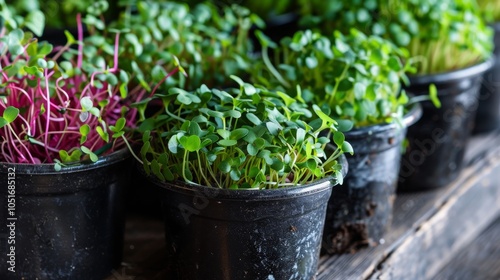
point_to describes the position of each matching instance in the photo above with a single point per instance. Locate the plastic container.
(488, 110)
(436, 143)
(277, 27)
(360, 210)
(68, 224)
(243, 234)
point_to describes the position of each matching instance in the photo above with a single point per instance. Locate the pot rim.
(252, 194)
(459, 74)
(48, 168)
(413, 115)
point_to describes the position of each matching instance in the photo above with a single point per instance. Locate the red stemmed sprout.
(57, 108)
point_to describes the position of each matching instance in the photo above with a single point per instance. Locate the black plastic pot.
(360, 210)
(277, 27)
(488, 110)
(57, 37)
(280, 26)
(436, 143)
(244, 234)
(67, 224)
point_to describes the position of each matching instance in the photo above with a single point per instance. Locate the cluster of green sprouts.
(351, 77)
(241, 138)
(208, 42)
(442, 35)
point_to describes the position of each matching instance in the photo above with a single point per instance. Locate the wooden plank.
(411, 210)
(144, 249)
(478, 260)
(460, 219)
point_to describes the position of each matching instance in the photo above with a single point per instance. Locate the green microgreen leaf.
(347, 148)
(338, 138)
(119, 125)
(3, 122)
(238, 133)
(190, 143)
(253, 118)
(70, 158)
(273, 128)
(433, 94)
(227, 142)
(225, 134)
(104, 135)
(57, 166)
(172, 144)
(84, 131)
(86, 103)
(10, 114)
(87, 151)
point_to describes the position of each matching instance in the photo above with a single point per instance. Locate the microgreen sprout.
(208, 42)
(58, 106)
(240, 138)
(441, 35)
(354, 78)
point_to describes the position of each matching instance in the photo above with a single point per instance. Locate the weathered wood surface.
(144, 250)
(479, 260)
(460, 219)
(428, 228)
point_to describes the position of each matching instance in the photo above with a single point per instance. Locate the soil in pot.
(488, 110)
(436, 143)
(66, 224)
(360, 210)
(243, 234)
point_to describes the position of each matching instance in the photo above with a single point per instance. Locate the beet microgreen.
(247, 137)
(59, 110)
(352, 77)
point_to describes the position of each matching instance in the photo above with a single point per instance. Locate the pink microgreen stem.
(50, 106)
(80, 39)
(48, 109)
(176, 69)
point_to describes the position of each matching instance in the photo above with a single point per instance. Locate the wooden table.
(428, 230)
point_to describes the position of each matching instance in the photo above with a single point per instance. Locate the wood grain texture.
(144, 250)
(479, 260)
(411, 212)
(460, 219)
